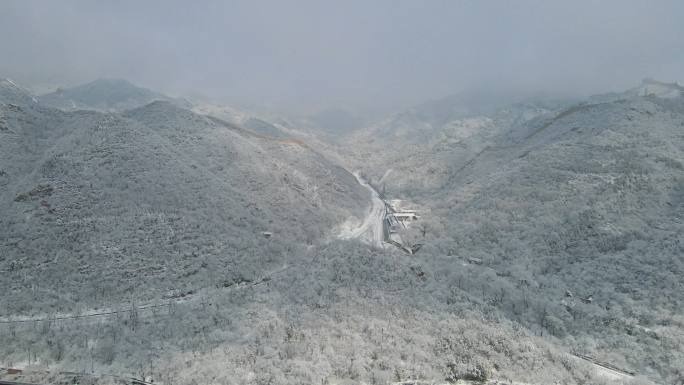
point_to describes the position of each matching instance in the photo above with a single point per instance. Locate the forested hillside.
(160, 243)
(341, 192)
(589, 203)
(104, 95)
(98, 207)
(575, 214)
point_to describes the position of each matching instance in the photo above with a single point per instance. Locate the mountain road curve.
(370, 229)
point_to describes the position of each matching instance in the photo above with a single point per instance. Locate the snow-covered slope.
(575, 213)
(10, 92)
(95, 202)
(420, 144)
(650, 87)
(551, 230)
(104, 95)
(245, 119)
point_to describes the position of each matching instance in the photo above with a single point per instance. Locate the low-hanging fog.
(376, 55)
(341, 192)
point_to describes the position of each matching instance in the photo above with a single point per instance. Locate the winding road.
(371, 228)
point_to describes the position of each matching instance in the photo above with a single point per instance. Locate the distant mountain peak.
(112, 81)
(657, 82)
(112, 85)
(648, 87)
(652, 87)
(106, 94)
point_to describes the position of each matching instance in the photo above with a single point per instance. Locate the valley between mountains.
(178, 242)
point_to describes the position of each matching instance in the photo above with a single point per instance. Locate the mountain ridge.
(105, 94)
(94, 177)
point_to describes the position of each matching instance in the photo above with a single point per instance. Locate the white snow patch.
(370, 230)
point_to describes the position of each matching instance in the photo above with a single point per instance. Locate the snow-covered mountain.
(93, 195)
(547, 228)
(104, 95)
(245, 119)
(11, 93)
(424, 140)
(578, 208)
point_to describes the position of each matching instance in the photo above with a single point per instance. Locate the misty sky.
(377, 54)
